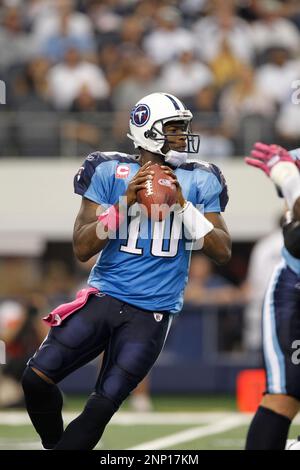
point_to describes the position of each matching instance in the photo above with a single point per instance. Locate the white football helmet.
(148, 117)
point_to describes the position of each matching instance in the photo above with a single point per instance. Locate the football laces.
(149, 188)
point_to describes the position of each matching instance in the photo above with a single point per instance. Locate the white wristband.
(194, 221)
(291, 190)
(283, 170)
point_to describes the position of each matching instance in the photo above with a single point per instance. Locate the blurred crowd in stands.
(233, 62)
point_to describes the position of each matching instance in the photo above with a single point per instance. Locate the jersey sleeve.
(291, 235)
(93, 180)
(295, 154)
(213, 192)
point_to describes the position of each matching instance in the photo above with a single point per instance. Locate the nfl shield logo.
(158, 316)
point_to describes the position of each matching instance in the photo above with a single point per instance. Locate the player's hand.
(170, 172)
(138, 182)
(266, 157)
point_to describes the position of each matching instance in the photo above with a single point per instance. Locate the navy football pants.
(281, 332)
(130, 338)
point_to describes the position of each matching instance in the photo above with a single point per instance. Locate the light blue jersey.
(292, 262)
(295, 154)
(148, 267)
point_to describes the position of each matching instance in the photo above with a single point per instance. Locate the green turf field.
(176, 423)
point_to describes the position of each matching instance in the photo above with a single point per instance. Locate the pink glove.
(266, 157)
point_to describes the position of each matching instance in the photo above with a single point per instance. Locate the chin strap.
(176, 158)
(172, 157)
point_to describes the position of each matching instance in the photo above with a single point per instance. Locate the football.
(159, 195)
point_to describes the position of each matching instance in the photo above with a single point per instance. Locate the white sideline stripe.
(191, 434)
(163, 418)
(21, 418)
(27, 445)
(13, 418)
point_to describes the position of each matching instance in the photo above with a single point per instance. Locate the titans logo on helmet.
(140, 115)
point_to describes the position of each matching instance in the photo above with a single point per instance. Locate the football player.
(281, 310)
(137, 283)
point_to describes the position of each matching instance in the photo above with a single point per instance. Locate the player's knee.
(42, 375)
(99, 408)
(31, 381)
(132, 365)
(27, 379)
(118, 384)
(50, 358)
(282, 404)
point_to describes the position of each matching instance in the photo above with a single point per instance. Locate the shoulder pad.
(214, 170)
(85, 173)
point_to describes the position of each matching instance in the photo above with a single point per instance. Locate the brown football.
(159, 195)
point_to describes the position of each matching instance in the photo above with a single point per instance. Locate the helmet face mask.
(149, 119)
(157, 133)
(192, 140)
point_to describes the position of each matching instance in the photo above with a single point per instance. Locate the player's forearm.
(286, 177)
(291, 234)
(290, 189)
(91, 238)
(288, 180)
(283, 169)
(86, 242)
(217, 245)
(296, 210)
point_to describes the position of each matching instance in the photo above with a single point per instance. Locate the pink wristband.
(111, 218)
